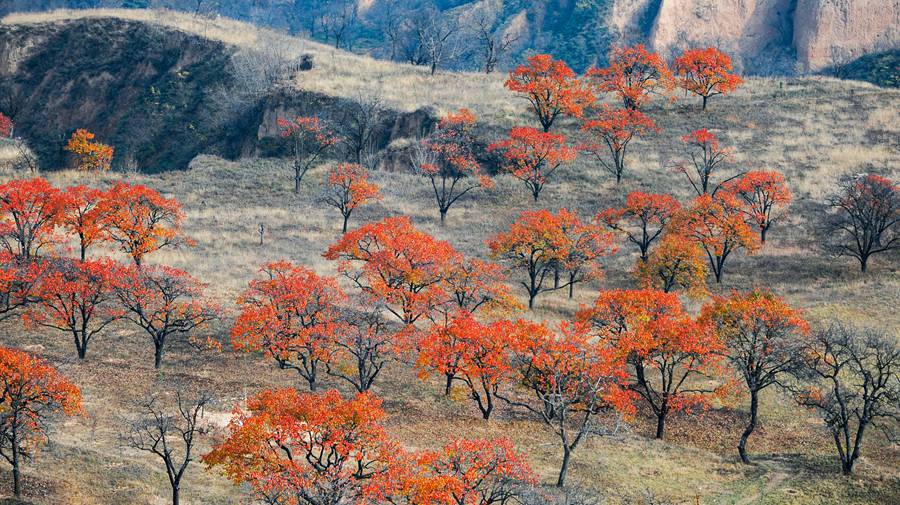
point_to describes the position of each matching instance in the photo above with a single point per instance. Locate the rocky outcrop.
(763, 35)
(827, 32)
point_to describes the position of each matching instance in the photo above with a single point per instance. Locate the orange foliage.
(31, 392)
(18, 277)
(765, 196)
(162, 301)
(471, 472)
(718, 225)
(83, 215)
(89, 155)
(401, 266)
(474, 285)
(347, 188)
(643, 219)
(295, 448)
(551, 88)
(542, 243)
(677, 263)
(30, 209)
(309, 140)
(447, 159)
(670, 353)
(140, 220)
(614, 129)
(292, 314)
(634, 74)
(706, 72)
(532, 156)
(76, 297)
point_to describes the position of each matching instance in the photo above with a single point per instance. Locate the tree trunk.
(157, 355)
(81, 347)
(863, 262)
(660, 424)
(754, 408)
(448, 385)
(705, 98)
(17, 476)
(443, 216)
(762, 235)
(531, 300)
(346, 218)
(175, 495)
(564, 469)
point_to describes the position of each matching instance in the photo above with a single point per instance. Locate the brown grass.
(813, 130)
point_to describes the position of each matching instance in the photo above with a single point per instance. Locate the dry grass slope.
(813, 130)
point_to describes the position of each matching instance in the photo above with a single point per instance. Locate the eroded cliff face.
(835, 31)
(763, 35)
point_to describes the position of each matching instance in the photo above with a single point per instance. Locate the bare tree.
(434, 34)
(865, 218)
(339, 21)
(853, 381)
(362, 350)
(361, 125)
(493, 45)
(171, 437)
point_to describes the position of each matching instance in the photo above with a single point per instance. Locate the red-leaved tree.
(162, 301)
(31, 393)
(532, 156)
(447, 159)
(551, 89)
(293, 315)
(865, 218)
(718, 225)
(6, 126)
(611, 131)
(347, 188)
(643, 218)
(634, 74)
(765, 196)
(30, 209)
(706, 72)
(670, 354)
(707, 157)
(309, 140)
(83, 215)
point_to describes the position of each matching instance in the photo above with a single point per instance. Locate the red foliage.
(551, 88)
(643, 219)
(76, 297)
(765, 196)
(6, 125)
(309, 140)
(162, 301)
(295, 448)
(867, 220)
(398, 265)
(706, 157)
(447, 159)
(532, 156)
(293, 315)
(347, 188)
(634, 74)
(83, 215)
(140, 220)
(31, 392)
(30, 209)
(18, 278)
(612, 131)
(706, 72)
(669, 352)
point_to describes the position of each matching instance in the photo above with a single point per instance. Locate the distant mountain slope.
(765, 36)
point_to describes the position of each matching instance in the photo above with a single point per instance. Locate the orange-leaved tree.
(293, 315)
(532, 156)
(570, 380)
(163, 301)
(551, 89)
(447, 158)
(670, 354)
(611, 131)
(718, 225)
(347, 188)
(140, 220)
(765, 196)
(31, 393)
(90, 155)
(764, 342)
(297, 448)
(707, 156)
(30, 209)
(475, 285)
(18, 278)
(309, 140)
(634, 74)
(678, 262)
(83, 216)
(643, 218)
(706, 72)
(543, 244)
(471, 471)
(77, 298)
(394, 263)
(474, 353)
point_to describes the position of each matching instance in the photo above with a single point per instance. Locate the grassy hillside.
(813, 130)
